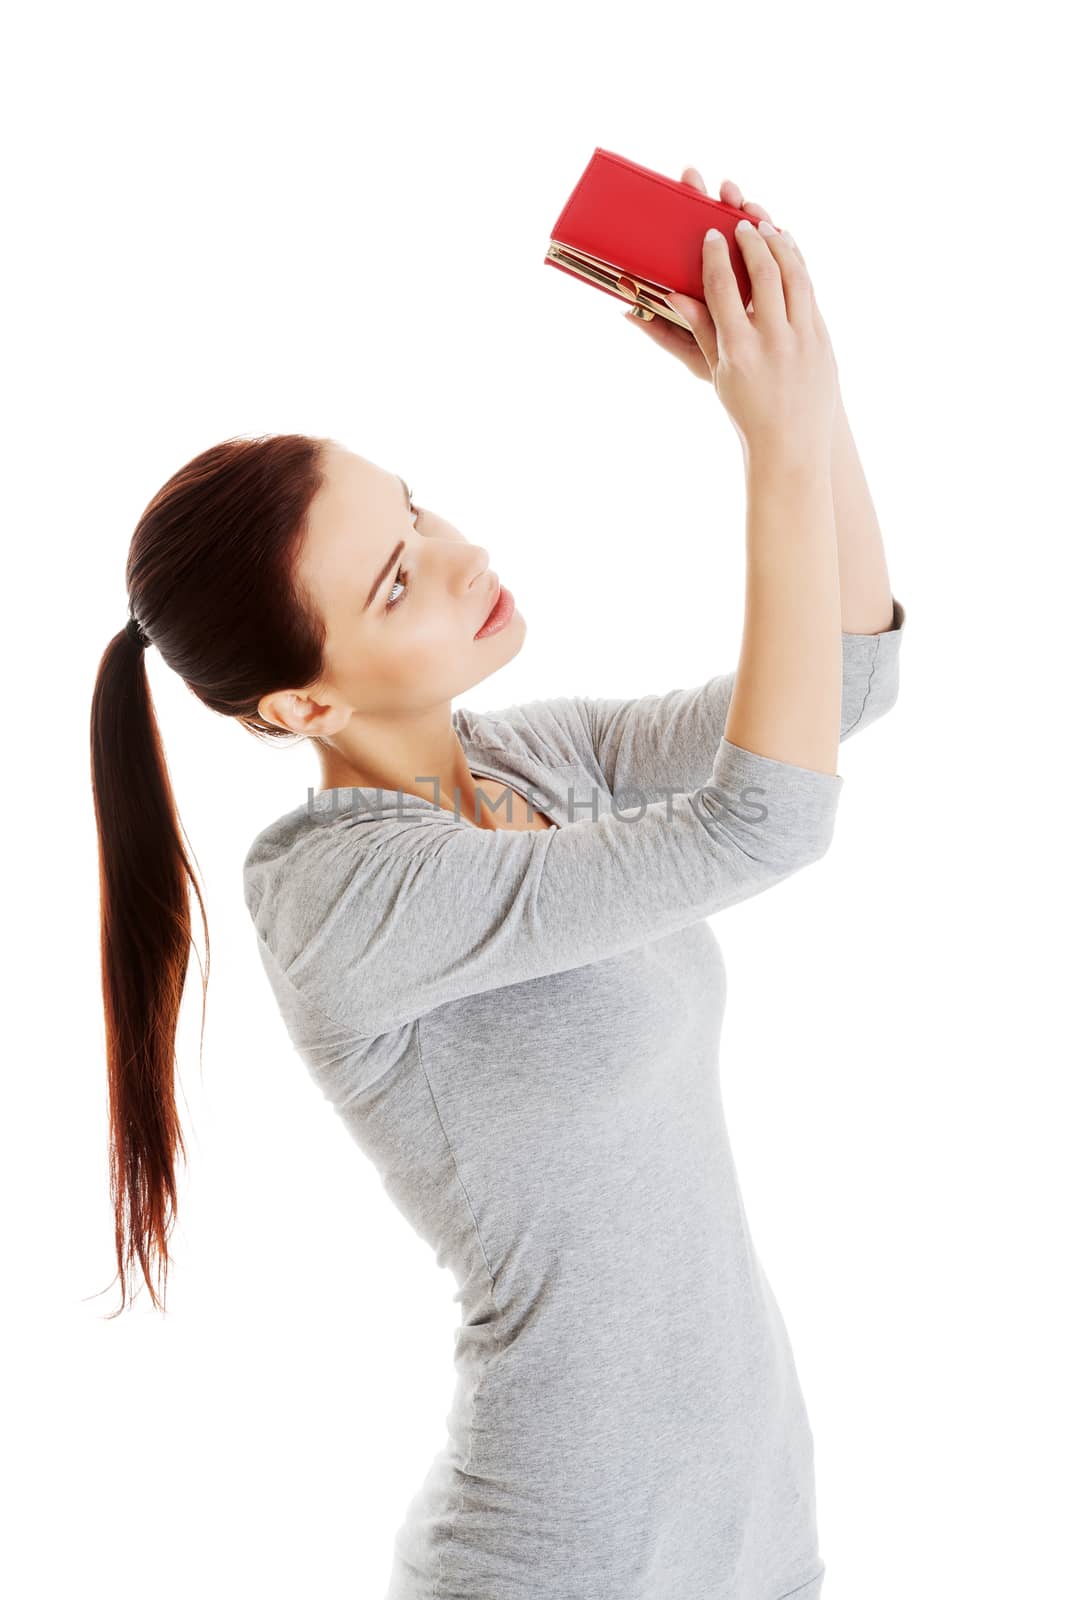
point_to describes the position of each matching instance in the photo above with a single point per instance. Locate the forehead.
(354, 487)
(354, 521)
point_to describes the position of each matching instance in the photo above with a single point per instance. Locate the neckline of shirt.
(385, 800)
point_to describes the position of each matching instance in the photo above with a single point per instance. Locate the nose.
(473, 569)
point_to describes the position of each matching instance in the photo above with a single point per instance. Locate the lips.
(501, 615)
(493, 606)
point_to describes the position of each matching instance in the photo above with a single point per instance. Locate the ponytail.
(211, 578)
(145, 940)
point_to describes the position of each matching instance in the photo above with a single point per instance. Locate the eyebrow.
(392, 555)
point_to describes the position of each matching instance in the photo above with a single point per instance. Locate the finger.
(677, 341)
(669, 334)
(723, 298)
(796, 288)
(700, 327)
(765, 276)
(691, 176)
(794, 245)
(730, 192)
(732, 195)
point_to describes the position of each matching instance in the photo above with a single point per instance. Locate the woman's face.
(402, 594)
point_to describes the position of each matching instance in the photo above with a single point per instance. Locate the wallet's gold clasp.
(648, 299)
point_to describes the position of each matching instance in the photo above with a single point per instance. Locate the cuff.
(870, 673)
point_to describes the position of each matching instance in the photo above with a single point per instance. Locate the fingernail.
(766, 228)
(745, 226)
(712, 236)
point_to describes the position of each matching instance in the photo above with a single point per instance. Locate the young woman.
(487, 934)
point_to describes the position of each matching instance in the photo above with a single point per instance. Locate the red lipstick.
(500, 615)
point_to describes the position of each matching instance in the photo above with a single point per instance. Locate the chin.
(513, 637)
(503, 647)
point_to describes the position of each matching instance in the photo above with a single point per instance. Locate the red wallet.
(638, 235)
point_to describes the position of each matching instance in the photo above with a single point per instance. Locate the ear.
(300, 713)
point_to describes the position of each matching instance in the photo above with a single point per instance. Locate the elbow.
(805, 851)
(881, 698)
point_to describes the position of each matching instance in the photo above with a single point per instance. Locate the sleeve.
(414, 914)
(655, 742)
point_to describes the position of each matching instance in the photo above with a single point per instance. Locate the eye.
(402, 579)
(401, 576)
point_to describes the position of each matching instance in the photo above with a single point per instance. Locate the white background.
(230, 219)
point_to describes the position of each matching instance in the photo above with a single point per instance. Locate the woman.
(508, 987)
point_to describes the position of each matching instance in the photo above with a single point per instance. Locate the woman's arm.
(863, 581)
(787, 700)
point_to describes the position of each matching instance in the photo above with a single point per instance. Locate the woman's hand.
(677, 341)
(771, 361)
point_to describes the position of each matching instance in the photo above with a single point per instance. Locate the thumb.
(699, 321)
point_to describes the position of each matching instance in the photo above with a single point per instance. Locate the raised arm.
(377, 922)
(659, 741)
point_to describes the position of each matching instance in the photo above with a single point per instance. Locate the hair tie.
(134, 629)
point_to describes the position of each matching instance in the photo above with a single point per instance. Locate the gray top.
(521, 1031)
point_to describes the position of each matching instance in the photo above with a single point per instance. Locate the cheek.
(429, 649)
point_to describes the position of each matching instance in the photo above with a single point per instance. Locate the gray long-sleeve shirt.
(520, 1029)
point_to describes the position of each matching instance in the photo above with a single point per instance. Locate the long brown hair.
(211, 579)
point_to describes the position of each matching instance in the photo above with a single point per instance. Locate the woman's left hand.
(668, 335)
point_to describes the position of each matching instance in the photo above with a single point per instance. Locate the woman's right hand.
(774, 368)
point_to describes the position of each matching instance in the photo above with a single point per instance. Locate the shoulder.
(339, 871)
